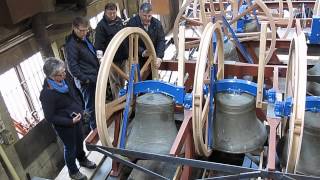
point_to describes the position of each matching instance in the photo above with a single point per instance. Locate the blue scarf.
(58, 87)
(90, 46)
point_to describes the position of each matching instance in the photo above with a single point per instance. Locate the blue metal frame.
(154, 86)
(271, 96)
(242, 49)
(238, 86)
(211, 115)
(241, 23)
(314, 37)
(283, 108)
(127, 107)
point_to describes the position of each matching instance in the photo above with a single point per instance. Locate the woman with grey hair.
(64, 112)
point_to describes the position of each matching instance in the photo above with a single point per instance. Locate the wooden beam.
(181, 51)
(262, 59)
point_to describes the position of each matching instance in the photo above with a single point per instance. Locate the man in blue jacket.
(83, 64)
(153, 28)
(106, 29)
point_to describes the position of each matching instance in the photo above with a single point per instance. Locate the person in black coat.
(153, 28)
(106, 29)
(83, 65)
(64, 112)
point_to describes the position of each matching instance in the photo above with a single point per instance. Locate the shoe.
(78, 176)
(88, 164)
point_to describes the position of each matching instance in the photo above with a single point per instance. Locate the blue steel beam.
(242, 49)
(154, 86)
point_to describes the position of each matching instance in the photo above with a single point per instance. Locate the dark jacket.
(155, 32)
(58, 107)
(82, 62)
(105, 31)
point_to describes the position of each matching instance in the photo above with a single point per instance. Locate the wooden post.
(181, 56)
(261, 64)
(41, 35)
(273, 123)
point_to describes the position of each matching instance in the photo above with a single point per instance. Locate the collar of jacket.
(142, 26)
(110, 23)
(76, 37)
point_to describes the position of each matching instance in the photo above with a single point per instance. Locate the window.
(157, 16)
(21, 86)
(95, 20)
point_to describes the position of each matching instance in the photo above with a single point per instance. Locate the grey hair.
(52, 66)
(145, 7)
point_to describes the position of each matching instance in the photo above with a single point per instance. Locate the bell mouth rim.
(259, 149)
(312, 131)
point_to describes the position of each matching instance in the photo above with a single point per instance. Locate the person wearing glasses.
(106, 29)
(153, 28)
(83, 65)
(64, 112)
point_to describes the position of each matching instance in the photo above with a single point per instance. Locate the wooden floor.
(96, 157)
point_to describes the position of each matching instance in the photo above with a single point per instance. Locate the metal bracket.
(283, 108)
(314, 37)
(153, 86)
(238, 86)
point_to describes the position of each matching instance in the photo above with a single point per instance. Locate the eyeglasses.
(111, 12)
(83, 30)
(61, 74)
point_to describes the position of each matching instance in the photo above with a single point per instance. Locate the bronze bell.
(309, 161)
(230, 51)
(236, 126)
(153, 127)
(314, 87)
(251, 26)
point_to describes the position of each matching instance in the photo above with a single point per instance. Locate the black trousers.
(72, 139)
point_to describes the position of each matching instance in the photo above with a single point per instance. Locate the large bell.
(251, 26)
(153, 127)
(230, 51)
(309, 161)
(236, 127)
(314, 87)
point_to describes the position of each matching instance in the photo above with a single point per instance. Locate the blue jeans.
(73, 145)
(88, 92)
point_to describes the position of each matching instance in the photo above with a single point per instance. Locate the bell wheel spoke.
(136, 48)
(131, 49)
(120, 72)
(144, 69)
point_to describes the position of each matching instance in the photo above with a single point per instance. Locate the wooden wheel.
(193, 13)
(296, 88)
(261, 8)
(288, 21)
(105, 111)
(201, 102)
(279, 18)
